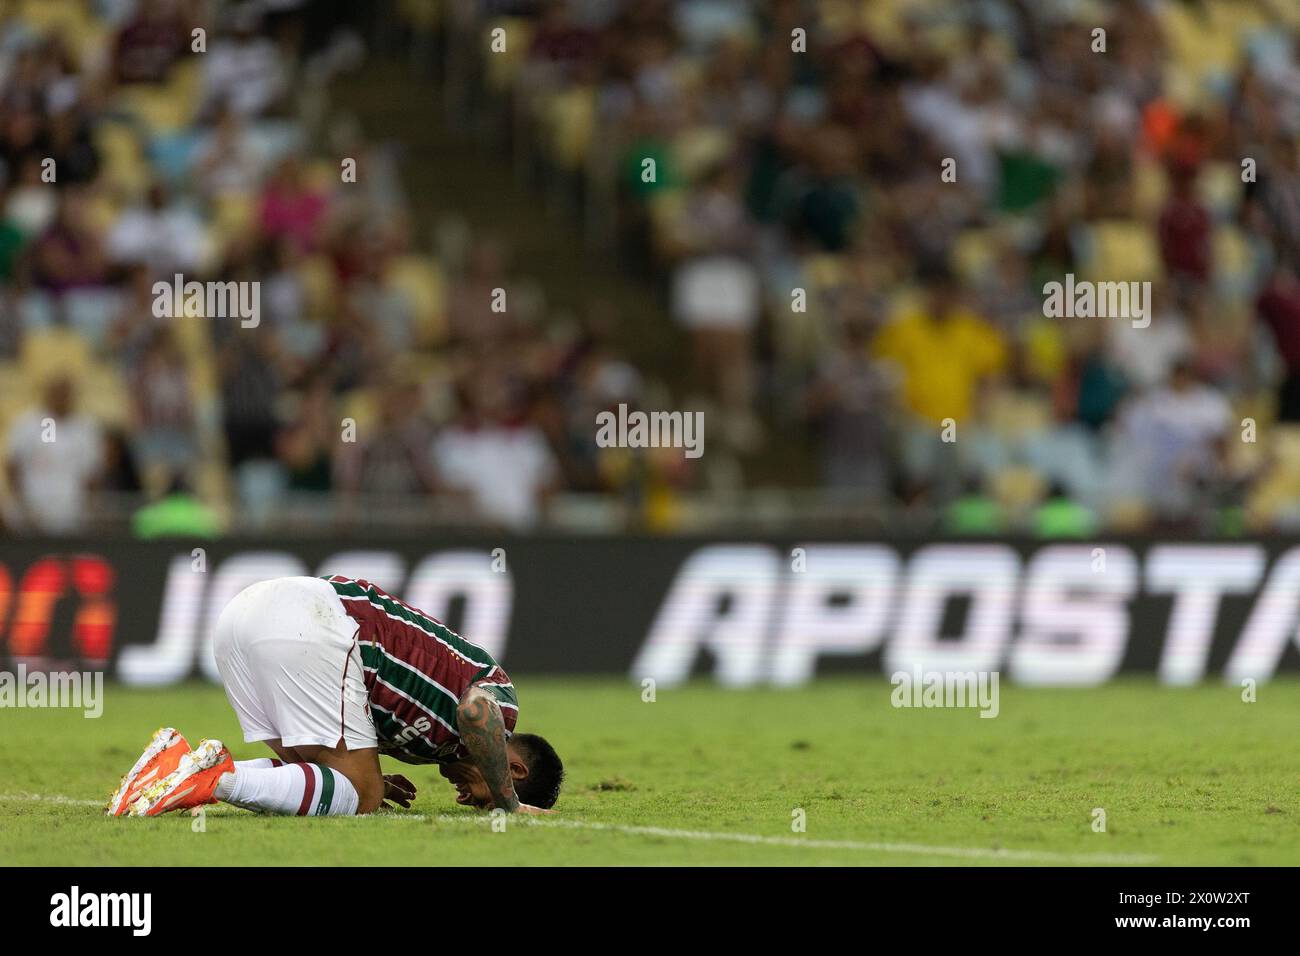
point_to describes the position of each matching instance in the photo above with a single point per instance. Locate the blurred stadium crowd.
(837, 298)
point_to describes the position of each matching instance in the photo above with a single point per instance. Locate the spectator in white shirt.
(244, 71)
(1174, 441)
(53, 457)
(500, 463)
(163, 235)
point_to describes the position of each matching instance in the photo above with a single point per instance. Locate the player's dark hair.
(541, 788)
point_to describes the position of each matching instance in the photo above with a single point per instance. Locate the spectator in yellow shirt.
(943, 351)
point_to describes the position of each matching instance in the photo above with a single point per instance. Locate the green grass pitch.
(704, 775)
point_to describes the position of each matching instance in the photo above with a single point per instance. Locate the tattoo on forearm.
(483, 732)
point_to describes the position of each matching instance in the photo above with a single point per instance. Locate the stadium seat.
(47, 352)
(1285, 443)
(74, 22)
(503, 67)
(104, 394)
(1122, 251)
(974, 253)
(122, 155)
(320, 284)
(1233, 258)
(1219, 186)
(421, 14)
(168, 108)
(570, 119)
(420, 280)
(1018, 488)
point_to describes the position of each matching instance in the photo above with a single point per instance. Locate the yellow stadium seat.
(1045, 349)
(49, 352)
(319, 283)
(1201, 38)
(45, 16)
(212, 485)
(420, 279)
(665, 209)
(192, 338)
(1231, 254)
(824, 270)
(571, 118)
(1016, 414)
(125, 171)
(1277, 492)
(203, 381)
(75, 23)
(1018, 487)
(102, 211)
(1126, 515)
(16, 393)
(168, 108)
(421, 14)
(973, 253)
(321, 175)
(1220, 186)
(700, 147)
(1285, 442)
(104, 394)
(360, 404)
(1150, 188)
(503, 66)
(233, 216)
(1123, 251)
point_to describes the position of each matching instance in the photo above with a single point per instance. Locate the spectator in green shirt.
(974, 512)
(178, 514)
(1060, 516)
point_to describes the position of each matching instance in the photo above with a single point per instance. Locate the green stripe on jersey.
(410, 682)
(388, 729)
(461, 646)
(503, 694)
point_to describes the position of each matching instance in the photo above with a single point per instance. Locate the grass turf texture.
(1186, 776)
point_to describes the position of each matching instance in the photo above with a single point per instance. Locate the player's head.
(541, 786)
(535, 768)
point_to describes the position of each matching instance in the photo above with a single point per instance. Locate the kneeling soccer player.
(330, 673)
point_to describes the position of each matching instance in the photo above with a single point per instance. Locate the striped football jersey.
(416, 671)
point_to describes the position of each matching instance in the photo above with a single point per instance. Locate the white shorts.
(287, 653)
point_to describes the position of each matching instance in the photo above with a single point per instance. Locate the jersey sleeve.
(497, 682)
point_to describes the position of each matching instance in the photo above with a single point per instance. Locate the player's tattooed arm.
(483, 732)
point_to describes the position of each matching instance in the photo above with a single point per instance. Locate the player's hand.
(525, 808)
(398, 789)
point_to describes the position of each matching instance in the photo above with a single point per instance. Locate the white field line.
(51, 798)
(977, 853)
(919, 849)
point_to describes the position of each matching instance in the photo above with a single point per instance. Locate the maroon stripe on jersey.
(310, 790)
(412, 644)
(408, 713)
(407, 641)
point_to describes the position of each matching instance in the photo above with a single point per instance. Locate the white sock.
(259, 763)
(296, 789)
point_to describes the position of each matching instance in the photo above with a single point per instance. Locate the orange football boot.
(159, 759)
(189, 785)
